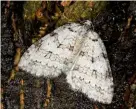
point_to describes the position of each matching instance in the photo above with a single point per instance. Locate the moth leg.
(48, 95)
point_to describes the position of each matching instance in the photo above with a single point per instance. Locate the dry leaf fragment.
(65, 3)
(91, 4)
(39, 13)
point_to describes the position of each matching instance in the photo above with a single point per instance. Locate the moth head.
(87, 23)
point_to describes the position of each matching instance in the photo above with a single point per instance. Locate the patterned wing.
(48, 56)
(91, 74)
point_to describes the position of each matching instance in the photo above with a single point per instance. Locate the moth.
(77, 51)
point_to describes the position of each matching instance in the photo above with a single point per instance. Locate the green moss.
(30, 8)
(81, 10)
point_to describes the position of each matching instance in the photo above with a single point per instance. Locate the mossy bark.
(81, 10)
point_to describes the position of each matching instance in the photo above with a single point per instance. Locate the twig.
(16, 61)
(6, 11)
(128, 91)
(124, 33)
(95, 107)
(17, 56)
(47, 100)
(18, 51)
(1, 104)
(12, 75)
(22, 95)
(14, 23)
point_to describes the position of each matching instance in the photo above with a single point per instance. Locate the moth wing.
(92, 74)
(47, 56)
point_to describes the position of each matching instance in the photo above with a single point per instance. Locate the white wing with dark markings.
(92, 74)
(79, 53)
